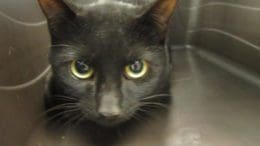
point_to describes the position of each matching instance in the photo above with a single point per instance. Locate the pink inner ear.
(162, 10)
(52, 7)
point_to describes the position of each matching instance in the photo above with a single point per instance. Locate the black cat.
(110, 66)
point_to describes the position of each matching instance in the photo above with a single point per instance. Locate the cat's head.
(108, 58)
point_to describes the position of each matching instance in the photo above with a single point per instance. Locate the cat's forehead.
(114, 54)
(114, 10)
(112, 45)
(110, 33)
(107, 29)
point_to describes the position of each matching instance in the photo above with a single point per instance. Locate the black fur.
(109, 38)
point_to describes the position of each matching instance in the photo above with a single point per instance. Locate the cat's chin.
(110, 123)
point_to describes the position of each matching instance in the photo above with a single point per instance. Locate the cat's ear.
(55, 8)
(159, 14)
(60, 15)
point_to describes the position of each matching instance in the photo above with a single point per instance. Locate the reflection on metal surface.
(32, 24)
(193, 19)
(242, 40)
(21, 42)
(185, 137)
(29, 83)
(225, 4)
(230, 28)
(230, 66)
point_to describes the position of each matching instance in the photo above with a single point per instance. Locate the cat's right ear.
(54, 8)
(59, 8)
(59, 14)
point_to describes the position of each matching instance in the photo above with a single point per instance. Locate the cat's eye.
(137, 69)
(81, 69)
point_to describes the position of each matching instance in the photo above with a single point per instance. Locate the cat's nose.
(109, 107)
(109, 115)
(109, 112)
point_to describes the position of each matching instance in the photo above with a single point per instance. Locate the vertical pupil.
(137, 67)
(81, 67)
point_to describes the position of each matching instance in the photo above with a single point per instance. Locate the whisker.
(155, 104)
(135, 116)
(42, 117)
(141, 119)
(60, 114)
(66, 97)
(61, 45)
(143, 110)
(57, 107)
(72, 119)
(156, 96)
(79, 119)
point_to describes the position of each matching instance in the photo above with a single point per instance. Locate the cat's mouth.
(110, 122)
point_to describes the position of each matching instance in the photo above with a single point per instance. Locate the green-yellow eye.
(136, 70)
(81, 69)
